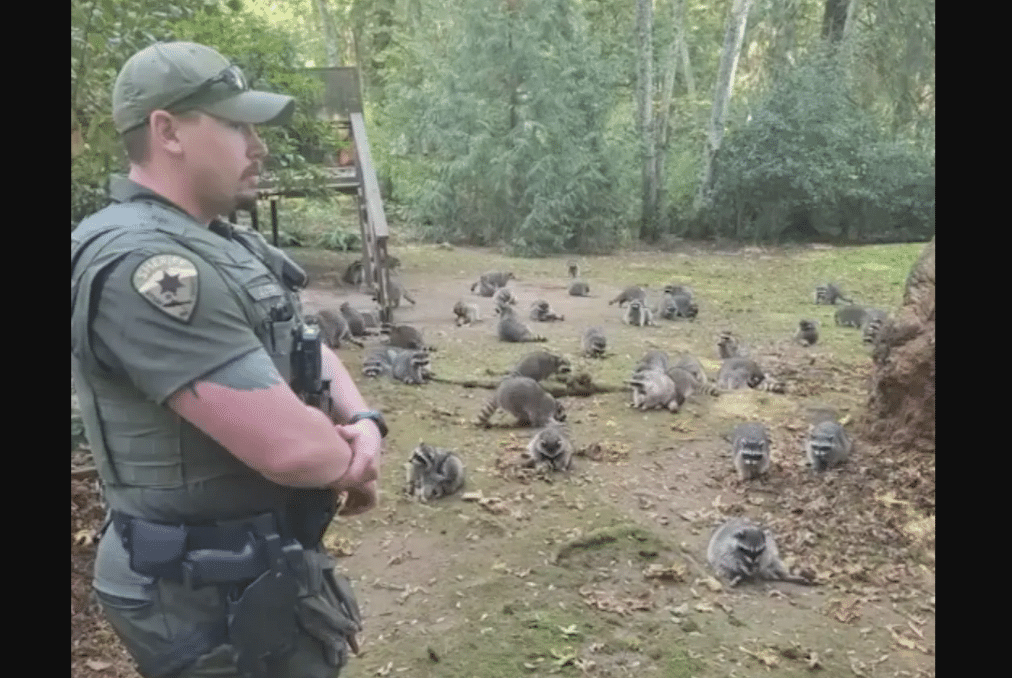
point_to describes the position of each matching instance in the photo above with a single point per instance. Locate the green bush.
(811, 165)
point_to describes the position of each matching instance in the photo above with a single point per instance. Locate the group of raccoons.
(738, 549)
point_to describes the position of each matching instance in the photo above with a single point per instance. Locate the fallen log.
(579, 386)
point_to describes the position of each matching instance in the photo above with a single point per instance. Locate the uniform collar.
(123, 189)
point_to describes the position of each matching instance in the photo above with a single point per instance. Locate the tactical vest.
(153, 463)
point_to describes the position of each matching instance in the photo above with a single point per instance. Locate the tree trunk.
(901, 402)
(664, 118)
(690, 82)
(785, 22)
(834, 17)
(733, 37)
(645, 101)
(331, 42)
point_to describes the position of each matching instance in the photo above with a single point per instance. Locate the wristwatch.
(375, 416)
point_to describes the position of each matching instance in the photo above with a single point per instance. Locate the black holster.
(262, 619)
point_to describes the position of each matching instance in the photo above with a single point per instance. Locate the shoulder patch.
(169, 283)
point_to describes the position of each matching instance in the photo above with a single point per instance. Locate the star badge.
(169, 283)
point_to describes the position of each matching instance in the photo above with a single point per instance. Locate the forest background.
(549, 126)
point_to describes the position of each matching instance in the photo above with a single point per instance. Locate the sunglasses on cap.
(232, 77)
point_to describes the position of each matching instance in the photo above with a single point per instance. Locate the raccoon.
(356, 323)
(686, 385)
(574, 269)
(579, 289)
(850, 316)
(593, 342)
(499, 278)
(872, 330)
(334, 329)
(727, 346)
(750, 447)
(541, 311)
(679, 290)
(541, 365)
(512, 330)
(492, 280)
(411, 367)
(678, 306)
(379, 362)
(738, 372)
(484, 288)
(526, 400)
(405, 336)
(807, 333)
(353, 275)
(629, 294)
(550, 448)
(828, 445)
(465, 314)
(652, 360)
(396, 291)
(433, 473)
(691, 365)
(740, 550)
(653, 389)
(828, 295)
(503, 296)
(637, 313)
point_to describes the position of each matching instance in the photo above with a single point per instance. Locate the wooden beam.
(374, 201)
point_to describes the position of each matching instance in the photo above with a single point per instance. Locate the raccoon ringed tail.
(771, 385)
(487, 410)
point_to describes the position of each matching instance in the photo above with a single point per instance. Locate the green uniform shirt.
(164, 317)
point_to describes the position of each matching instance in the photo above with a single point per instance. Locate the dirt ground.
(602, 572)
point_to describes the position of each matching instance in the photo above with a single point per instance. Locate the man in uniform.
(205, 395)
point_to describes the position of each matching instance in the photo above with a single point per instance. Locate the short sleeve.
(168, 319)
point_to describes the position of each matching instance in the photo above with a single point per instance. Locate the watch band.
(375, 416)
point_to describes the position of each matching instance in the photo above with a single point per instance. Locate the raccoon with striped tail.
(540, 365)
(593, 342)
(874, 320)
(334, 329)
(465, 314)
(807, 334)
(829, 294)
(510, 328)
(638, 314)
(526, 400)
(542, 311)
(433, 473)
(828, 445)
(550, 448)
(737, 373)
(629, 294)
(750, 450)
(740, 550)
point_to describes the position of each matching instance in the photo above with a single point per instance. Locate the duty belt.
(226, 552)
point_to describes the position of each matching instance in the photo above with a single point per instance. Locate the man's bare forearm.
(343, 392)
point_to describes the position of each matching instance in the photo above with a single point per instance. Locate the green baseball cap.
(182, 76)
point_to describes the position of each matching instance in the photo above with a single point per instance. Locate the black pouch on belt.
(331, 614)
(261, 621)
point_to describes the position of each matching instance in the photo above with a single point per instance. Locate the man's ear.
(165, 129)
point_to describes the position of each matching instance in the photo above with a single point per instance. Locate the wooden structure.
(342, 105)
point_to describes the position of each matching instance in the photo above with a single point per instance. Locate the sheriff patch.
(169, 283)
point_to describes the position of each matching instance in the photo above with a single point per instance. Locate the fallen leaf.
(703, 607)
(673, 572)
(570, 630)
(766, 656)
(713, 585)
